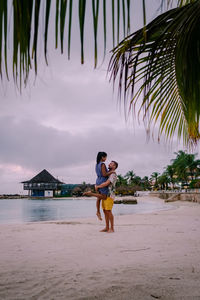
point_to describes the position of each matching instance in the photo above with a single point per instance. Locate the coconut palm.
(130, 175)
(121, 181)
(193, 165)
(163, 181)
(170, 171)
(137, 180)
(180, 165)
(145, 183)
(154, 177)
(157, 61)
(183, 165)
(157, 56)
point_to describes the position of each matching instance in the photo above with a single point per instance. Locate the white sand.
(150, 256)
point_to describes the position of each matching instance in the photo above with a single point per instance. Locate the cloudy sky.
(65, 117)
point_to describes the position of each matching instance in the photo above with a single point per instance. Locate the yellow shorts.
(108, 203)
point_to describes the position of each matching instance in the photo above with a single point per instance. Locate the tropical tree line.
(182, 172)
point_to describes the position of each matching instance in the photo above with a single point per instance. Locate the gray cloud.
(64, 118)
(34, 146)
(62, 125)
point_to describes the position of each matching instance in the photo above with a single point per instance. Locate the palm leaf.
(5, 34)
(47, 13)
(1, 35)
(82, 5)
(165, 64)
(56, 24)
(69, 27)
(27, 16)
(63, 8)
(95, 11)
(104, 26)
(113, 21)
(118, 20)
(22, 39)
(35, 38)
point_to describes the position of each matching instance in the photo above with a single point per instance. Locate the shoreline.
(154, 255)
(136, 209)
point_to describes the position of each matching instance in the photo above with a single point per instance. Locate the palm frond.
(22, 38)
(95, 10)
(47, 13)
(35, 37)
(82, 6)
(63, 9)
(27, 17)
(167, 59)
(178, 3)
(70, 26)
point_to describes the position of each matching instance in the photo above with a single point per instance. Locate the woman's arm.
(104, 172)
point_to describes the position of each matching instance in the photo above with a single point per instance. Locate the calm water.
(28, 210)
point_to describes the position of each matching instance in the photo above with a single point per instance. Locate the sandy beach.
(150, 256)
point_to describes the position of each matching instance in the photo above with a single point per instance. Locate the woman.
(102, 176)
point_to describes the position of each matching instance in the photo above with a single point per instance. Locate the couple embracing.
(105, 189)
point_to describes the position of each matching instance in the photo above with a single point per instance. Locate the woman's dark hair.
(100, 155)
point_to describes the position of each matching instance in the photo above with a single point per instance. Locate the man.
(107, 204)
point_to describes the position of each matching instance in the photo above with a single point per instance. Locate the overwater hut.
(43, 185)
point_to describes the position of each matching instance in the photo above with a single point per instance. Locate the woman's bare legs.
(102, 197)
(98, 208)
(99, 198)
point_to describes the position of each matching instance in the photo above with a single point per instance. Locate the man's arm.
(102, 185)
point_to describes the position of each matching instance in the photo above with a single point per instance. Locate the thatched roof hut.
(43, 184)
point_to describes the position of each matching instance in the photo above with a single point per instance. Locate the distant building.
(43, 185)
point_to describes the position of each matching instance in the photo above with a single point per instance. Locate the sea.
(19, 211)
